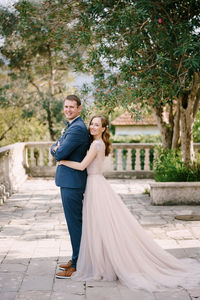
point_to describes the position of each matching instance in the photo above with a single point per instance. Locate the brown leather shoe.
(66, 266)
(66, 274)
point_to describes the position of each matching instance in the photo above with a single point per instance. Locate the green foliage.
(141, 51)
(15, 128)
(170, 167)
(196, 129)
(38, 50)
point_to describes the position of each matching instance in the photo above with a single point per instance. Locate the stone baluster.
(137, 160)
(41, 157)
(129, 160)
(50, 159)
(155, 155)
(119, 160)
(146, 160)
(32, 158)
(25, 157)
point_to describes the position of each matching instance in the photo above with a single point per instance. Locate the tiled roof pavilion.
(126, 119)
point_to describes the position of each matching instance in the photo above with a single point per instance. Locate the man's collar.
(72, 121)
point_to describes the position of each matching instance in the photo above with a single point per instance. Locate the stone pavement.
(34, 240)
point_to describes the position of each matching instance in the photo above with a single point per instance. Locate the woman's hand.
(61, 162)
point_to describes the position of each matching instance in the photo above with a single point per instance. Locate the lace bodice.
(96, 165)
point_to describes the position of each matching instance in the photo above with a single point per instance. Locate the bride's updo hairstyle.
(105, 134)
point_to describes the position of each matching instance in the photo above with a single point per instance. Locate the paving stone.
(178, 253)
(2, 257)
(152, 221)
(189, 243)
(66, 296)
(196, 231)
(194, 293)
(193, 252)
(34, 295)
(8, 295)
(6, 244)
(48, 243)
(41, 267)
(64, 257)
(10, 282)
(103, 293)
(127, 294)
(168, 244)
(102, 283)
(19, 268)
(69, 286)
(46, 253)
(34, 240)
(172, 295)
(14, 260)
(180, 234)
(37, 283)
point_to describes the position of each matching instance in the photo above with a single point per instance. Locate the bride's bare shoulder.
(98, 144)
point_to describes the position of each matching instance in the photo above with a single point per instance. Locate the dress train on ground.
(115, 246)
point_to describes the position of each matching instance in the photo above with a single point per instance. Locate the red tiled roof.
(126, 119)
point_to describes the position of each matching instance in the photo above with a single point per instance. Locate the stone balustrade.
(38, 160)
(127, 160)
(12, 171)
(130, 160)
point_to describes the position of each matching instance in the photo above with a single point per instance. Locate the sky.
(7, 2)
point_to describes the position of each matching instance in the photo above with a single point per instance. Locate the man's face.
(71, 110)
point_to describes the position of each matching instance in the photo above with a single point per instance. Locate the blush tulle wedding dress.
(115, 246)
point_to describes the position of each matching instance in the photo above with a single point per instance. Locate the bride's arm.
(91, 154)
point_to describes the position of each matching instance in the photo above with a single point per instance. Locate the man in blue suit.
(72, 145)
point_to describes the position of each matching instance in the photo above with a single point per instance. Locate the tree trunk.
(165, 130)
(189, 100)
(50, 124)
(176, 131)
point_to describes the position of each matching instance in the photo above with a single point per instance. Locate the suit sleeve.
(55, 144)
(72, 140)
(52, 152)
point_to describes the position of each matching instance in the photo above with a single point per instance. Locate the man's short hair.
(73, 98)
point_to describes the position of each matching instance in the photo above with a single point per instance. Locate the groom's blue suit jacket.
(74, 144)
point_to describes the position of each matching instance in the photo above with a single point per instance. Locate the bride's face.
(96, 128)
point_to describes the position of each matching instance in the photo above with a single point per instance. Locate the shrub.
(169, 167)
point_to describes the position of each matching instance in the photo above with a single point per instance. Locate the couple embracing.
(107, 241)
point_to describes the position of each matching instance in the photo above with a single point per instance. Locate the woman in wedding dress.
(113, 244)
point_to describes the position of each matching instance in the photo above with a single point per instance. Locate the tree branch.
(5, 132)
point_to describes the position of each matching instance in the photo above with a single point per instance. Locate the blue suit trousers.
(72, 200)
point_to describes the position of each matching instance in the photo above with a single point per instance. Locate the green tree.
(196, 129)
(16, 128)
(38, 49)
(147, 52)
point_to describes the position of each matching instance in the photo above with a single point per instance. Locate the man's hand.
(56, 147)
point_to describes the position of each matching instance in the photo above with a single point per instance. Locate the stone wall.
(175, 193)
(12, 171)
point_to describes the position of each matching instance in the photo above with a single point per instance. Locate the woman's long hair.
(105, 134)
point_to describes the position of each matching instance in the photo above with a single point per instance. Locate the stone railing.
(127, 160)
(130, 160)
(12, 172)
(38, 160)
